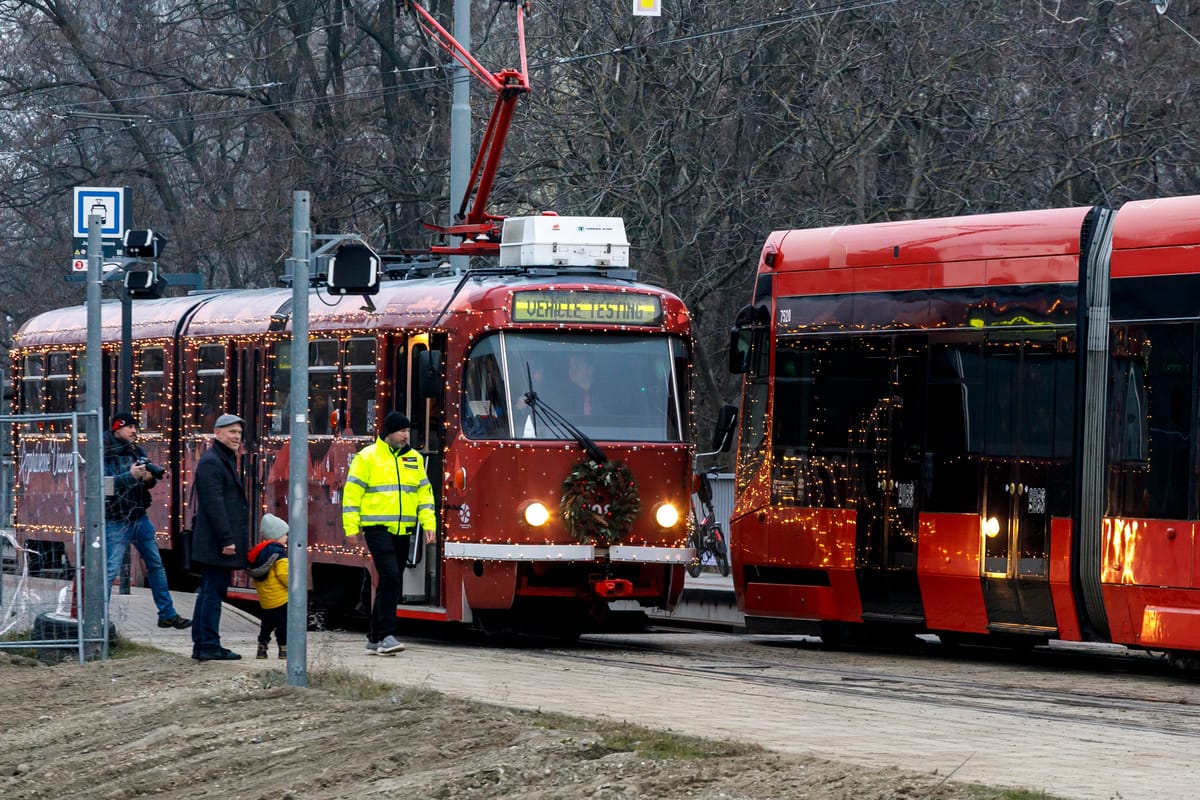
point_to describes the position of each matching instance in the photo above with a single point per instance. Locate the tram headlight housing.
(535, 514)
(666, 515)
(990, 527)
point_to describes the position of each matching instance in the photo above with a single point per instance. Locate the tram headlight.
(991, 527)
(535, 513)
(666, 515)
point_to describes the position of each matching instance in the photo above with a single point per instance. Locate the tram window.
(322, 386)
(951, 476)
(58, 389)
(360, 388)
(399, 399)
(150, 388)
(484, 411)
(209, 386)
(31, 387)
(793, 397)
(679, 390)
(281, 388)
(1165, 487)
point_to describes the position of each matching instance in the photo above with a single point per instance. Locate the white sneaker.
(372, 648)
(389, 645)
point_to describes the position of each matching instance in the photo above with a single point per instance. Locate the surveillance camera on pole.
(353, 269)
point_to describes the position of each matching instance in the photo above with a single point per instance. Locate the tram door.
(1027, 427)
(886, 471)
(421, 578)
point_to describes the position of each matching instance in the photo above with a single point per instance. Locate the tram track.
(1176, 712)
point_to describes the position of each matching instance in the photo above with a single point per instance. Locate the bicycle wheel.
(693, 566)
(721, 552)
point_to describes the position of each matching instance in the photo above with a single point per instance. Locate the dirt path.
(160, 725)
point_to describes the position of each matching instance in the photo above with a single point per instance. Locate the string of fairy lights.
(181, 387)
(814, 471)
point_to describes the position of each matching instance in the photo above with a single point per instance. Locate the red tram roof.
(1157, 237)
(913, 255)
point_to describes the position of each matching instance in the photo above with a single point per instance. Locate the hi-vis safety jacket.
(388, 488)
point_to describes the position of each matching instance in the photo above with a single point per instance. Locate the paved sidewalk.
(1065, 758)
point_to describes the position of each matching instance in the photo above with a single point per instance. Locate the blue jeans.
(140, 533)
(206, 616)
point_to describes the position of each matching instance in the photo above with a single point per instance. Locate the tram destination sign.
(606, 308)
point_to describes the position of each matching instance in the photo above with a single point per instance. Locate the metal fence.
(40, 607)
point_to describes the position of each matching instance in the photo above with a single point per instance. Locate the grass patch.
(621, 737)
(348, 685)
(127, 648)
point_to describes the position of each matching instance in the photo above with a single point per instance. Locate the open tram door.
(420, 379)
(1028, 418)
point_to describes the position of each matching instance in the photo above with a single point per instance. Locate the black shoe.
(216, 655)
(177, 622)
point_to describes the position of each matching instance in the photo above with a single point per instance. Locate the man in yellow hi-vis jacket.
(387, 495)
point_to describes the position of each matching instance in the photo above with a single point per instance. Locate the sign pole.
(126, 396)
(92, 617)
(297, 615)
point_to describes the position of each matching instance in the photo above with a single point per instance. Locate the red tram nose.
(612, 587)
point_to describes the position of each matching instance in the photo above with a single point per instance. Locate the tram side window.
(281, 388)
(31, 387)
(1155, 398)
(58, 389)
(209, 386)
(483, 407)
(952, 429)
(150, 389)
(679, 391)
(322, 386)
(359, 417)
(753, 347)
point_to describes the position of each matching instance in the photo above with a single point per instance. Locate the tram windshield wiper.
(557, 424)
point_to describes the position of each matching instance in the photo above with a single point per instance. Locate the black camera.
(155, 470)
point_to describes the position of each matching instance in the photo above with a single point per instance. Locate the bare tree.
(705, 128)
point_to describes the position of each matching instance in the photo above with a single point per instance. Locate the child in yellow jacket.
(269, 569)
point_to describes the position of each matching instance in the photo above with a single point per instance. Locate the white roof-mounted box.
(553, 241)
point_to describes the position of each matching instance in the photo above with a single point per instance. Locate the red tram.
(986, 427)
(459, 354)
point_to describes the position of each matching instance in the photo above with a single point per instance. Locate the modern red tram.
(459, 354)
(986, 427)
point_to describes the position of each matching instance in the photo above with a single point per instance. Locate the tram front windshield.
(612, 388)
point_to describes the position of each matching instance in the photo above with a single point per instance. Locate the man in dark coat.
(125, 520)
(221, 537)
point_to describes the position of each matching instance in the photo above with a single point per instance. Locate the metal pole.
(297, 616)
(92, 616)
(126, 395)
(460, 124)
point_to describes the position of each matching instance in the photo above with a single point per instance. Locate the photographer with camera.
(125, 520)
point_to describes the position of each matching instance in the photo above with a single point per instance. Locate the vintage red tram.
(458, 353)
(984, 427)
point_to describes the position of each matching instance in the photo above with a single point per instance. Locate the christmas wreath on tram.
(599, 501)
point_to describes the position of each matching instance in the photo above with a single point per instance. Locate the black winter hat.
(393, 422)
(123, 418)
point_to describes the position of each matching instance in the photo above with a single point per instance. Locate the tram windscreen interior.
(627, 388)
